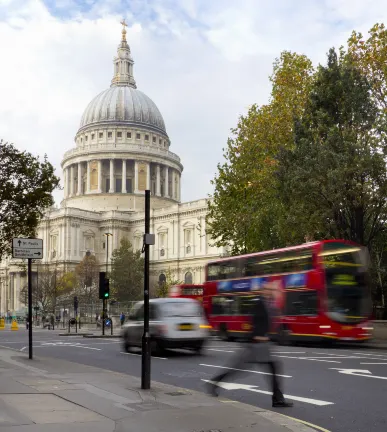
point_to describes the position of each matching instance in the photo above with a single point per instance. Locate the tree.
(333, 182)
(87, 279)
(162, 288)
(245, 212)
(370, 56)
(127, 272)
(26, 191)
(47, 287)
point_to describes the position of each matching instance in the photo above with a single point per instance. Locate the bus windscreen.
(347, 288)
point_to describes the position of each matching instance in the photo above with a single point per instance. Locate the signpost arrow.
(359, 372)
(252, 388)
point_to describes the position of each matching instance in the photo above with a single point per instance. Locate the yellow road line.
(312, 425)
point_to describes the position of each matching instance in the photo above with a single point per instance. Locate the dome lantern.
(123, 63)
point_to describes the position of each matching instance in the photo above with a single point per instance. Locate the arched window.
(188, 278)
(162, 279)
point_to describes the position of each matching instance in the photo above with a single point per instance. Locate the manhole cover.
(176, 394)
(148, 406)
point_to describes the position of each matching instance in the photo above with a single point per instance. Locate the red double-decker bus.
(187, 291)
(320, 291)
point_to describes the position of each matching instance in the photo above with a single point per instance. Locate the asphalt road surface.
(340, 390)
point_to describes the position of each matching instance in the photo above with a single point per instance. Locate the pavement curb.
(282, 420)
(91, 336)
(74, 334)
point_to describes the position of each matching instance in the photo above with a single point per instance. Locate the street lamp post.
(103, 300)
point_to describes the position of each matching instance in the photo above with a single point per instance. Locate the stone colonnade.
(120, 176)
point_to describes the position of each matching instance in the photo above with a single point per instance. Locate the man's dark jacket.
(260, 319)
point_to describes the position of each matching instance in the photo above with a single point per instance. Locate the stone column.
(178, 186)
(135, 176)
(173, 184)
(88, 177)
(111, 190)
(65, 182)
(124, 176)
(79, 191)
(148, 176)
(166, 182)
(72, 180)
(158, 180)
(99, 176)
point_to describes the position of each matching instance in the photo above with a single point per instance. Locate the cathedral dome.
(123, 104)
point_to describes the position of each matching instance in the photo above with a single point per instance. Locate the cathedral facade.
(121, 149)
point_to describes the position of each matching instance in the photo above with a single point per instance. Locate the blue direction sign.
(27, 248)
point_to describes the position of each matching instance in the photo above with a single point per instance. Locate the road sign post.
(26, 248)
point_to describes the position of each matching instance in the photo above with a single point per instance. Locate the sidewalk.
(55, 396)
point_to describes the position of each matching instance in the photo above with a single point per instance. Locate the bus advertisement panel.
(316, 291)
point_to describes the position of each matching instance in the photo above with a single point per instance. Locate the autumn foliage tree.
(245, 212)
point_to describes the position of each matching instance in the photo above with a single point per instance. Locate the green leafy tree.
(162, 288)
(333, 182)
(127, 272)
(26, 191)
(245, 212)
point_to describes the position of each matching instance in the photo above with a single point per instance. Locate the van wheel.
(199, 349)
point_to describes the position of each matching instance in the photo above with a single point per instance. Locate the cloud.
(202, 62)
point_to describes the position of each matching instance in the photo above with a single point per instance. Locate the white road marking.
(244, 370)
(375, 363)
(66, 345)
(220, 350)
(139, 355)
(359, 372)
(289, 352)
(234, 386)
(372, 355)
(307, 358)
(22, 349)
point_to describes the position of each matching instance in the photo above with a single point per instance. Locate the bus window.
(246, 305)
(301, 303)
(228, 270)
(222, 305)
(213, 272)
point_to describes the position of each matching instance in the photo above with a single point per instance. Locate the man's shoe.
(212, 389)
(282, 403)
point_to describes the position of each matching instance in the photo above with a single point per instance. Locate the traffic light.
(104, 288)
(75, 303)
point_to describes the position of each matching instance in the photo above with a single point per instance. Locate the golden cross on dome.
(123, 29)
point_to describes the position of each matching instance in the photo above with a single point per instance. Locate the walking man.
(257, 351)
(122, 319)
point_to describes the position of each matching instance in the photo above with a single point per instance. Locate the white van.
(173, 323)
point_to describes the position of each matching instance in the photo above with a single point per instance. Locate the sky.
(203, 62)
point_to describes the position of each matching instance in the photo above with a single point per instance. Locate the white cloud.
(202, 62)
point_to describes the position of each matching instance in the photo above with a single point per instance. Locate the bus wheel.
(283, 336)
(223, 333)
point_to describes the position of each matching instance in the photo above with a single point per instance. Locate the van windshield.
(182, 309)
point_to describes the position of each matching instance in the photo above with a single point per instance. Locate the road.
(338, 389)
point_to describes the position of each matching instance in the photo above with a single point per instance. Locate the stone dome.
(123, 104)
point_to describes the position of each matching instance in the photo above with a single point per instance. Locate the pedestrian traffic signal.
(104, 287)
